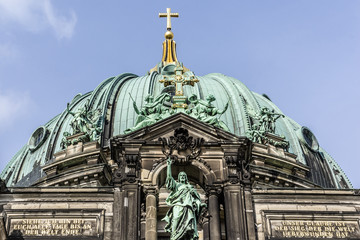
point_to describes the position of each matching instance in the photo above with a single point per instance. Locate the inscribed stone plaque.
(42, 225)
(315, 229)
(311, 225)
(55, 227)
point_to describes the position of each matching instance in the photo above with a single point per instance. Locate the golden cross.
(168, 15)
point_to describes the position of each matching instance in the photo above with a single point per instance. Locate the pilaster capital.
(213, 190)
(151, 190)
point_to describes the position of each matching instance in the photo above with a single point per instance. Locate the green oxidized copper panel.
(125, 115)
(10, 171)
(24, 168)
(233, 117)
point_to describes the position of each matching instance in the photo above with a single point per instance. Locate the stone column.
(205, 227)
(214, 211)
(151, 214)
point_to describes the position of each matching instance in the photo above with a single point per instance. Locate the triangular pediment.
(166, 127)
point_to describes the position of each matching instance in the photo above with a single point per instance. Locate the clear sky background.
(304, 54)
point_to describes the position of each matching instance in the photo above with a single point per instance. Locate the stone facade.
(253, 191)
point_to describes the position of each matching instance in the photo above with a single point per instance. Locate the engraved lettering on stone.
(54, 227)
(315, 229)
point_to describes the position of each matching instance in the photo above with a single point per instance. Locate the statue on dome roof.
(263, 127)
(86, 122)
(152, 111)
(267, 119)
(206, 112)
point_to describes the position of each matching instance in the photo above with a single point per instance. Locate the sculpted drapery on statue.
(160, 107)
(185, 207)
(153, 111)
(206, 112)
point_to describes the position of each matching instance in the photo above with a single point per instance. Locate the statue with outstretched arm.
(185, 207)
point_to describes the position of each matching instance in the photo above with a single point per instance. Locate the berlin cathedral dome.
(104, 164)
(111, 103)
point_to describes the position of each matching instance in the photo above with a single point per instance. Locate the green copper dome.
(112, 99)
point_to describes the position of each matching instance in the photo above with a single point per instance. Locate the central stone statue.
(185, 207)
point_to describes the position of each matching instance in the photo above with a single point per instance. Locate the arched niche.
(199, 175)
(197, 172)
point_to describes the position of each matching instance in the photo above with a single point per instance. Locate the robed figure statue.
(185, 207)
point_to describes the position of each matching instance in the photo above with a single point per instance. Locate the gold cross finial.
(168, 15)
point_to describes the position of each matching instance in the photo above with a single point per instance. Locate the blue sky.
(305, 55)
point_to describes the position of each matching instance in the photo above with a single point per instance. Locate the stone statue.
(185, 207)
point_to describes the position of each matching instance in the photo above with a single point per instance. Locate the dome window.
(37, 138)
(309, 139)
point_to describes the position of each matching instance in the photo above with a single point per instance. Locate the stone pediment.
(165, 128)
